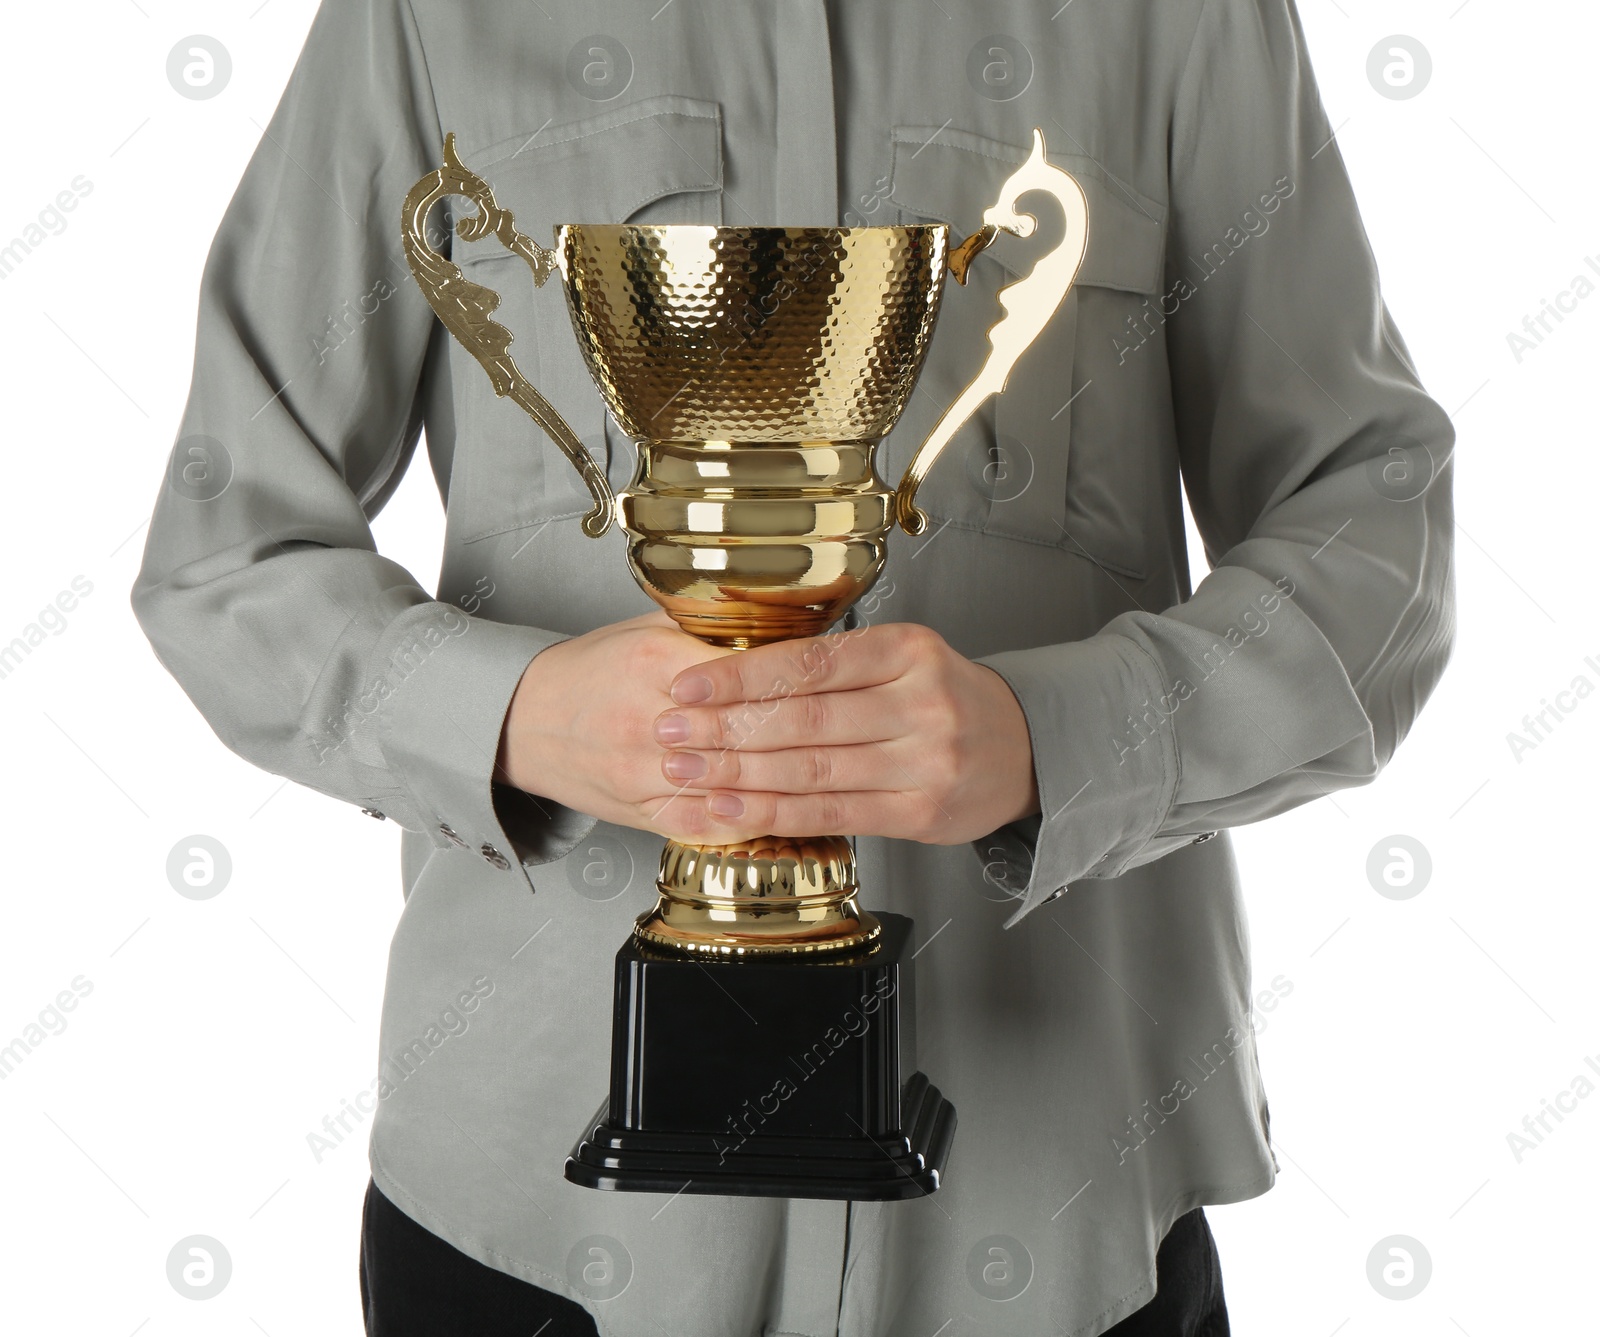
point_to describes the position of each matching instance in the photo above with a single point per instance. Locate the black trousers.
(413, 1284)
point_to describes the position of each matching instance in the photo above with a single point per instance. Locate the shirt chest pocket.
(1062, 456)
(656, 161)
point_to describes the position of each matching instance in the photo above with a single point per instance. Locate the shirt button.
(449, 834)
(374, 814)
(1201, 839)
(1052, 896)
(493, 856)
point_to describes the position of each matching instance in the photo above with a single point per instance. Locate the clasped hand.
(882, 731)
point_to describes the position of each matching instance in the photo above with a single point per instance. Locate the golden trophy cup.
(756, 370)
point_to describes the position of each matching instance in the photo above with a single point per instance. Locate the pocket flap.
(605, 168)
(953, 176)
(661, 156)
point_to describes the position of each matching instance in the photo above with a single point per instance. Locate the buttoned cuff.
(1105, 760)
(449, 680)
(540, 829)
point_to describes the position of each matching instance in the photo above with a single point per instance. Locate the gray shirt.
(1226, 337)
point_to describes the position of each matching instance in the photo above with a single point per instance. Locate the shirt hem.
(1182, 1205)
(464, 1242)
(1213, 1195)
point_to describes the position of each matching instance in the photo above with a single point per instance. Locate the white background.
(218, 1033)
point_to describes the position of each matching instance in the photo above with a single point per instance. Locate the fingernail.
(687, 691)
(726, 805)
(672, 729)
(684, 765)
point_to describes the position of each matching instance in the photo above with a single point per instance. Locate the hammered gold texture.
(753, 334)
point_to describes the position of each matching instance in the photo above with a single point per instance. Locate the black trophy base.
(861, 1169)
(770, 1077)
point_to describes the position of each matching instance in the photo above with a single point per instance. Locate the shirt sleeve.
(262, 590)
(1318, 473)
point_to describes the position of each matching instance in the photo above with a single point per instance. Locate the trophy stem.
(775, 896)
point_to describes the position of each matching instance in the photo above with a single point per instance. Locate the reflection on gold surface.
(756, 369)
(1029, 303)
(775, 895)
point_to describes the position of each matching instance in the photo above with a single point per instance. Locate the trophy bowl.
(756, 370)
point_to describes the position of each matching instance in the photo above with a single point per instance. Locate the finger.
(684, 816)
(841, 662)
(850, 813)
(706, 819)
(872, 714)
(795, 770)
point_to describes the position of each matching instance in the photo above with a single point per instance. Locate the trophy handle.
(1029, 303)
(464, 308)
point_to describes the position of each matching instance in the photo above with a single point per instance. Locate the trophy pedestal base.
(767, 1077)
(863, 1169)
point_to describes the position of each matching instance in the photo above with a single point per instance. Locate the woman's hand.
(578, 729)
(885, 731)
